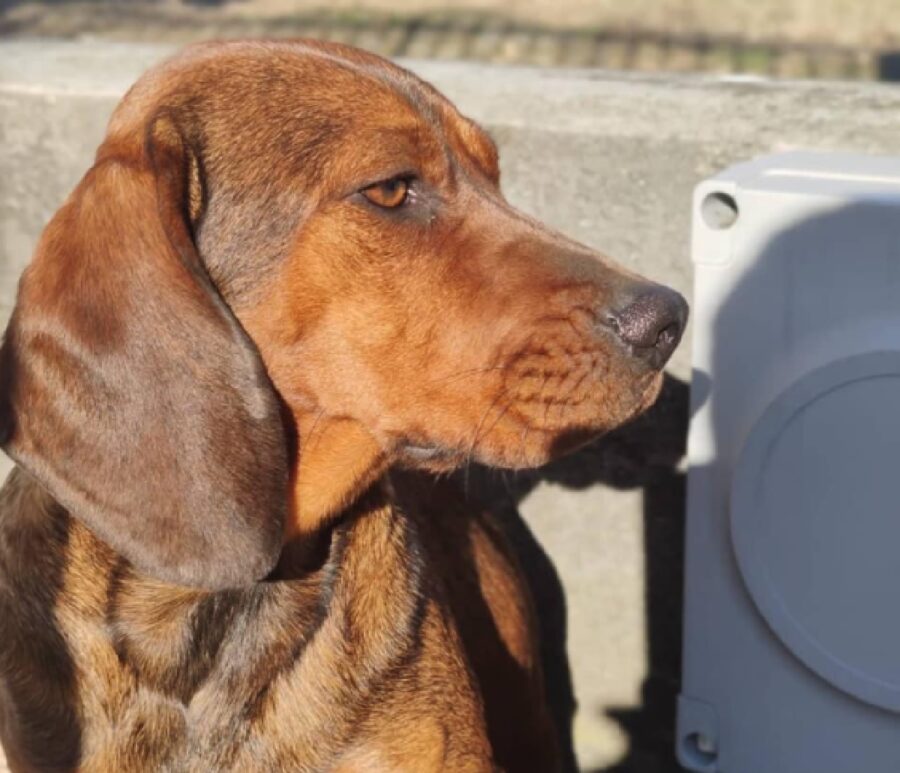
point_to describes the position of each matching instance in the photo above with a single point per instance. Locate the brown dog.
(287, 293)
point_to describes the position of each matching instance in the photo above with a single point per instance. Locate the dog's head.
(299, 251)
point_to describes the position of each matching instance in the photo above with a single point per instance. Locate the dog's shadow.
(643, 454)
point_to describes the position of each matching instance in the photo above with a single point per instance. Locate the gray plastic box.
(792, 596)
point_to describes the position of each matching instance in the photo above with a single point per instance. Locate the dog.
(287, 298)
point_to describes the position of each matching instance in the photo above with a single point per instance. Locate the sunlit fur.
(225, 358)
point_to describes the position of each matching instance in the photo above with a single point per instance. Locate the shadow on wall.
(820, 291)
(643, 454)
(811, 297)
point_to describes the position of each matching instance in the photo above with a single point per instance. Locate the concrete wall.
(610, 159)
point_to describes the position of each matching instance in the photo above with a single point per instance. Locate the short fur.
(228, 384)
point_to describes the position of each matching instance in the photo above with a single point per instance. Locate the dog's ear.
(129, 389)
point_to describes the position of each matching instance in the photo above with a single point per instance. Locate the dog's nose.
(651, 324)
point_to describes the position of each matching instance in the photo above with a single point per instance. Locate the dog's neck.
(337, 460)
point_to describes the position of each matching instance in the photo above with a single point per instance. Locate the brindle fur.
(356, 665)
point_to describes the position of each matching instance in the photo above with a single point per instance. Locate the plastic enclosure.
(792, 595)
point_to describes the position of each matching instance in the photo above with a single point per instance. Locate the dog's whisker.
(522, 439)
(312, 437)
(541, 397)
(469, 373)
(475, 437)
(496, 421)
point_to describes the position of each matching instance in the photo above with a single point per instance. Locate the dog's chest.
(363, 659)
(241, 680)
(108, 670)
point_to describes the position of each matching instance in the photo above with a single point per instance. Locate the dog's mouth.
(422, 453)
(525, 435)
(432, 456)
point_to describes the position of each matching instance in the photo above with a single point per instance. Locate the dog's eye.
(389, 194)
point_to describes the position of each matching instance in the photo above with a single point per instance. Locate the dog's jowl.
(287, 295)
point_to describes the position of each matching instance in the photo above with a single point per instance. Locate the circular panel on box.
(815, 523)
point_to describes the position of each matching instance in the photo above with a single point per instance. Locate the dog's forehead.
(235, 79)
(247, 89)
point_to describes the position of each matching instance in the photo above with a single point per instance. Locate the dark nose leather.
(651, 324)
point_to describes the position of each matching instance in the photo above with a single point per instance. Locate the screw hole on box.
(719, 211)
(698, 750)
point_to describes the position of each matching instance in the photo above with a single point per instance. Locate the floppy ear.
(129, 389)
